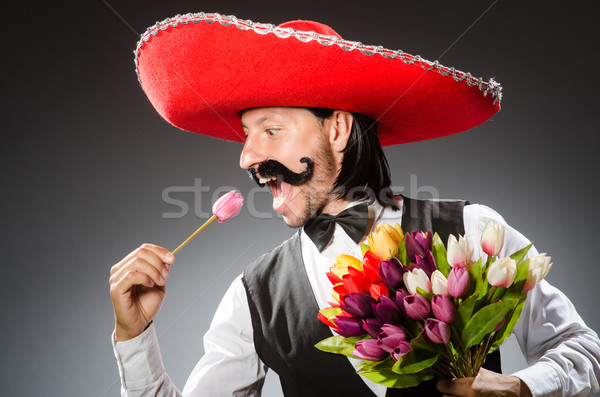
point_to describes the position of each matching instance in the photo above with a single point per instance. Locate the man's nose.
(252, 155)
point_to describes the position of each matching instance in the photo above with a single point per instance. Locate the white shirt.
(563, 353)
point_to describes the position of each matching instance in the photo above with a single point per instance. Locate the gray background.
(85, 160)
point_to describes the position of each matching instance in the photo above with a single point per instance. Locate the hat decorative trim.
(490, 87)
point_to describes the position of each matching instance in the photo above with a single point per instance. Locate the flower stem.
(491, 294)
(201, 228)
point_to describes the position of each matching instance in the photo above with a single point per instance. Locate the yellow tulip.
(383, 241)
(395, 231)
(342, 261)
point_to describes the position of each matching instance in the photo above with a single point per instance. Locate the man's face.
(287, 135)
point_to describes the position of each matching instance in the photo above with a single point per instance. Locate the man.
(284, 86)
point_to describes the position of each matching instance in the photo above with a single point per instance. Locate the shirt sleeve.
(562, 352)
(229, 367)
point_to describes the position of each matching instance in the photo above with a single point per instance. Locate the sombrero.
(200, 70)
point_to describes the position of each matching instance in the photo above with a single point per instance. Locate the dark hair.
(365, 172)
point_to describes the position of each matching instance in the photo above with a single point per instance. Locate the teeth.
(265, 180)
(280, 199)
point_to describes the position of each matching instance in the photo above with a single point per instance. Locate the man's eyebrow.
(258, 122)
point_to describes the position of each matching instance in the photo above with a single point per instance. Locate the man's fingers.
(165, 255)
(151, 252)
(140, 265)
(456, 387)
(130, 279)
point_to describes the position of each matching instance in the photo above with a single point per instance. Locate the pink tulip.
(224, 209)
(390, 337)
(416, 306)
(368, 349)
(227, 206)
(437, 331)
(400, 350)
(443, 308)
(458, 281)
(492, 238)
(502, 272)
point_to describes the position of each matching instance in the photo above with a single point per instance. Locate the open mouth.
(280, 189)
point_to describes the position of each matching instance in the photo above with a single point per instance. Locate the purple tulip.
(417, 244)
(358, 304)
(437, 331)
(367, 349)
(400, 350)
(372, 326)
(416, 307)
(387, 310)
(425, 239)
(500, 324)
(390, 337)
(426, 262)
(391, 272)
(443, 308)
(400, 294)
(458, 281)
(348, 326)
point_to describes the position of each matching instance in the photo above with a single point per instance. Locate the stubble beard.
(317, 190)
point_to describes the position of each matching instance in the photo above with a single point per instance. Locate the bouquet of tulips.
(413, 309)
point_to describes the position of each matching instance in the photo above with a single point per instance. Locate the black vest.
(284, 313)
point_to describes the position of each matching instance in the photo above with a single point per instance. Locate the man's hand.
(137, 289)
(485, 384)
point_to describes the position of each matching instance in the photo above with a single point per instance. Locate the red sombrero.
(200, 70)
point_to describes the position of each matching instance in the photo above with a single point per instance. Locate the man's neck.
(335, 207)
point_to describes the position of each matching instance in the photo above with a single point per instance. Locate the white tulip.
(460, 251)
(539, 266)
(492, 238)
(502, 272)
(439, 283)
(416, 278)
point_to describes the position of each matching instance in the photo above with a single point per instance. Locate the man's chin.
(293, 221)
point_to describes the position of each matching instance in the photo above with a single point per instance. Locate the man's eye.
(272, 131)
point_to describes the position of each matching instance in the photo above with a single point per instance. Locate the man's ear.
(341, 126)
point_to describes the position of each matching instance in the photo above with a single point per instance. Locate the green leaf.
(339, 345)
(520, 254)
(509, 325)
(425, 294)
(477, 284)
(389, 378)
(330, 312)
(515, 291)
(464, 312)
(420, 342)
(440, 255)
(484, 321)
(415, 361)
(364, 248)
(401, 255)
(376, 365)
(484, 272)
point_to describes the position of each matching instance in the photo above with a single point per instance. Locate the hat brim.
(200, 70)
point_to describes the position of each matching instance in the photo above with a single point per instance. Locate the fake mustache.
(274, 168)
